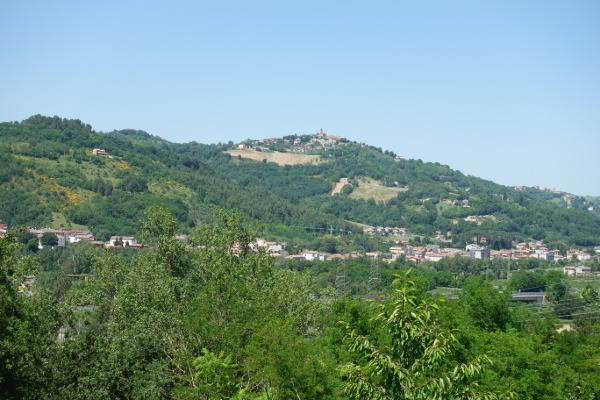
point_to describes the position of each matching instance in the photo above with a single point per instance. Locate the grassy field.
(59, 221)
(371, 189)
(445, 205)
(451, 293)
(172, 189)
(362, 226)
(88, 169)
(276, 157)
(579, 283)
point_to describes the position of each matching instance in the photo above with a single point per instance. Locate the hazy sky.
(505, 90)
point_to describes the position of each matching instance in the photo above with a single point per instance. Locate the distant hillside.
(54, 174)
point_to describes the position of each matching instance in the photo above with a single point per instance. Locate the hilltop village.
(296, 143)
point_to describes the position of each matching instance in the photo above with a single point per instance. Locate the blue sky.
(505, 90)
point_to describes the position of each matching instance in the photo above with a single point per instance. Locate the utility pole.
(341, 277)
(375, 276)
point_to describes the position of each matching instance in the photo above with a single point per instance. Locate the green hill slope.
(50, 176)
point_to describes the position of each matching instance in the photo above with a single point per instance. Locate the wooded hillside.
(51, 176)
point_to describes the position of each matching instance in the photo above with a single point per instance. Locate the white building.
(576, 270)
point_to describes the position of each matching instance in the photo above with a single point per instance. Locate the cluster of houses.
(319, 141)
(435, 253)
(525, 250)
(316, 142)
(386, 231)
(66, 236)
(273, 248)
(541, 188)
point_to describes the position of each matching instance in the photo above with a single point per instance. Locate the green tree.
(215, 376)
(28, 328)
(49, 239)
(411, 359)
(590, 295)
(523, 365)
(134, 183)
(159, 228)
(486, 305)
(9, 313)
(134, 305)
(249, 320)
(527, 281)
(29, 240)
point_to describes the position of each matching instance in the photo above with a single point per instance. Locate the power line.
(562, 314)
(538, 305)
(544, 308)
(538, 287)
(569, 315)
(330, 229)
(554, 311)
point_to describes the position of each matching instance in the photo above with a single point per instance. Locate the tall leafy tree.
(410, 358)
(28, 328)
(486, 305)
(49, 239)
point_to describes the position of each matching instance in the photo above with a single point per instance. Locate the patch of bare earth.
(339, 186)
(277, 157)
(565, 328)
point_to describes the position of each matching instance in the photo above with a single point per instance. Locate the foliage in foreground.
(211, 319)
(413, 358)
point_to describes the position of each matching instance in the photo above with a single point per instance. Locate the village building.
(576, 270)
(122, 241)
(311, 255)
(434, 257)
(481, 253)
